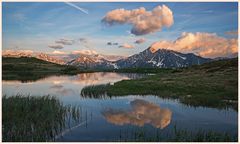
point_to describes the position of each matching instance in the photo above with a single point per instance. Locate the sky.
(118, 28)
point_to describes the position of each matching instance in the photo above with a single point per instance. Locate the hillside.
(30, 68)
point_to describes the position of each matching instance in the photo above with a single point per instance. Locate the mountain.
(17, 53)
(149, 58)
(92, 62)
(112, 58)
(48, 58)
(41, 56)
(161, 58)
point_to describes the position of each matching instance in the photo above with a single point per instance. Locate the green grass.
(29, 118)
(32, 69)
(213, 84)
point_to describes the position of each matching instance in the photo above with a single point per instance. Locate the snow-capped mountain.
(42, 56)
(51, 59)
(162, 58)
(92, 62)
(149, 58)
(17, 53)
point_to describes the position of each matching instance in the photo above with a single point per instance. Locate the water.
(116, 118)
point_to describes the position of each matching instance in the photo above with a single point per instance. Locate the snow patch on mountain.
(160, 63)
(180, 56)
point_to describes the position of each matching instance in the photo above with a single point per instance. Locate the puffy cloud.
(56, 46)
(142, 112)
(139, 41)
(232, 33)
(112, 43)
(85, 52)
(142, 21)
(205, 44)
(65, 41)
(58, 52)
(126, 46)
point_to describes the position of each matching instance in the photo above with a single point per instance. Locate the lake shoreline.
(203, 85)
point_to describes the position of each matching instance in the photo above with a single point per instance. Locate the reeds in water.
(95, 91)
(29, 118)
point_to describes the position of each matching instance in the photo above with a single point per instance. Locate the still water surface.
(111, 119)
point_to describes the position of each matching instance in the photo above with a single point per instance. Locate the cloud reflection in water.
(142, 112)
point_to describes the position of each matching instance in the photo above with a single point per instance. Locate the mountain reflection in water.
(83, 78)
(142, 112)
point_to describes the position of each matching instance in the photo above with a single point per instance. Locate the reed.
(175, 135)
(95, 91)
(30, 118)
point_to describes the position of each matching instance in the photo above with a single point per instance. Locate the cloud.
(65, 41)
(58, 52)
(112, 43)
(85, 52)
(232, 33)
(56, 46)
(139, 41)
(205, 44)
(142, 21)
(126, 46)
(83, 40)
(58, 88)
(142, 112)
(77, 7)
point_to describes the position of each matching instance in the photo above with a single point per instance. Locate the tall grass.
(95, 91)
(29, 118)
(175, 135)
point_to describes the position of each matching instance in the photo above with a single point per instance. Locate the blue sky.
(34, 26)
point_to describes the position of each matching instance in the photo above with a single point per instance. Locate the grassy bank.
(31, 69)
(28, 118)
(213, 84)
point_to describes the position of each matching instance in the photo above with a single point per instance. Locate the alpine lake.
(127, 118)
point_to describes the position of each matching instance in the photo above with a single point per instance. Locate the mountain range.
(149, 58)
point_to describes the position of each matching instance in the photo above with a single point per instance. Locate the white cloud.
(142, 21)
(204, 44)
(85, 52)
(58, 52)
